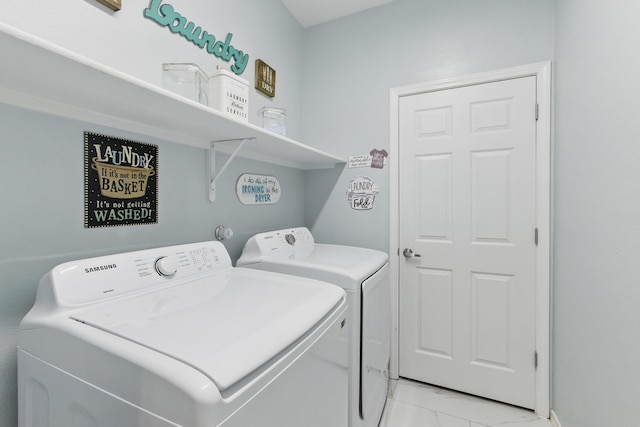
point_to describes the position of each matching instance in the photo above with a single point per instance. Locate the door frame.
(542, 72)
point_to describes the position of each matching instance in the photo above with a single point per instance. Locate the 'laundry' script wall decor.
(166, 16)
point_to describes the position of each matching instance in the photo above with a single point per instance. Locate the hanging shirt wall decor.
(377, 158)
(258, 189)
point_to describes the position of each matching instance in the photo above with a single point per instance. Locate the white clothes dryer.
(364, 275)
(176, 336)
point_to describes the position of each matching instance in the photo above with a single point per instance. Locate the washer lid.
(345, 266)
(226, 325)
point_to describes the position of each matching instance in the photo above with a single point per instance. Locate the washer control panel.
(91, 280)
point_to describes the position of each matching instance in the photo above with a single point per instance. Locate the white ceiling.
(312, 12)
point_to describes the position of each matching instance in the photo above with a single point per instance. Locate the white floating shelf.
(41, 76)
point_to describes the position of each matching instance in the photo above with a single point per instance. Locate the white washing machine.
(176, 336)
(364, 275)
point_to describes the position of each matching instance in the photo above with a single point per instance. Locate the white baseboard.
(554, 420)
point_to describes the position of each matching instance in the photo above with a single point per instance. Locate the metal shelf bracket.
(213, 176)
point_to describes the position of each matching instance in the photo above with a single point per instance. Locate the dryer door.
(376, 345)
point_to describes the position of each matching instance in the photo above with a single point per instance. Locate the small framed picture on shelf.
(265, 78)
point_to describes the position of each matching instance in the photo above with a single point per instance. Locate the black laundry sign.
(120, 180)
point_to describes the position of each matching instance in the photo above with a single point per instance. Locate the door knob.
(408, 253)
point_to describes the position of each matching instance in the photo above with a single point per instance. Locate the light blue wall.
(347, 68)
(597, 210)
(596, 159)
(41, 162)
(350, 65)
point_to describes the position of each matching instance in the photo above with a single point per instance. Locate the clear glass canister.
(187, 80)
(274, 119)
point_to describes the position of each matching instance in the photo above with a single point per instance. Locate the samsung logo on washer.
(100, 268)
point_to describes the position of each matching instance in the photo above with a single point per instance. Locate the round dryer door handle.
(408, 253)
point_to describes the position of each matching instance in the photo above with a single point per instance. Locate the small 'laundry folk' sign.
(120, 182)
(361, 193)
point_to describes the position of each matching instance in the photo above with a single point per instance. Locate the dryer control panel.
(290, 240)
(92, 280)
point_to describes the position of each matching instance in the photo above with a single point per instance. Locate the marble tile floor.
(413, 404)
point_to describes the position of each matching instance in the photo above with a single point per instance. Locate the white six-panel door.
(467, 213)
